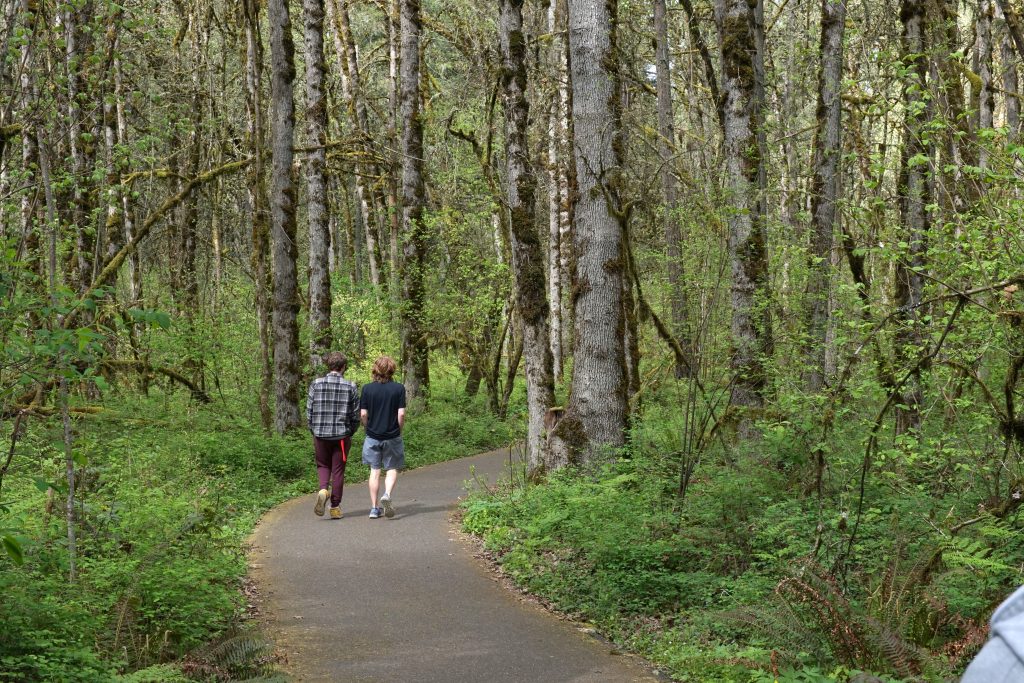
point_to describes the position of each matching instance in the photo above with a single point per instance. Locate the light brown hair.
(336, 361)
(383, 369)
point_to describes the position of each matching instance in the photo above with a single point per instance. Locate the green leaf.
(13, 548)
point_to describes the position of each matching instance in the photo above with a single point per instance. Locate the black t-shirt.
(381, 403)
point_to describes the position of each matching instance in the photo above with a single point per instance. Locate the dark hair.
(383, 369)
(336, 361)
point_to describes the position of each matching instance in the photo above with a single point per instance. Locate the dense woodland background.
(741, 278)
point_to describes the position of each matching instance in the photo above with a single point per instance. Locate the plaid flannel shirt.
(332, 407)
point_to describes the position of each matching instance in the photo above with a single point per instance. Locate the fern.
(236, 657)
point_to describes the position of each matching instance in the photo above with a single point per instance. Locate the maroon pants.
(331, 456)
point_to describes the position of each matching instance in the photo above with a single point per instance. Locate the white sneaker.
(321, 501)
(385, 502)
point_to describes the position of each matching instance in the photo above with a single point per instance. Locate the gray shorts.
(388, 454)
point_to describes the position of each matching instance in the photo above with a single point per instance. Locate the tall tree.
(356, 106)
(415, 359)
(316, 179)
(1011, 83)
(284, 248)
(983, 67)
(558, 191)
(741, 111)
(255, 185)
(666, 152)
(79, 132)
(825, 185)
(596, 413)
(914, 194)
(527, 249)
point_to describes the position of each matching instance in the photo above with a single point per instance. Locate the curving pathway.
(402, 599)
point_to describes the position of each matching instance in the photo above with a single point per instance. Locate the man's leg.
(337, 473)
(389, 485)
(374, 484)
(322, 456)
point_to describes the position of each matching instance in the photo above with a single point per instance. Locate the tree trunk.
(1011, 83)
(77, 127)
(825, 188)
(127, 213)
(282, 219)
(316, 178)
(596, 413)
(556, 183)
(666, 152)
(356, 107)
(914, 197)
(255, 184)
(986, 93)
(414, 344)
(527, 250)
(742, 153)
(394, 105)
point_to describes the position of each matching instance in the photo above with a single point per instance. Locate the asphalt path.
(403, 599)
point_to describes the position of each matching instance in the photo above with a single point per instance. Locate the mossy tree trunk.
(527, 249)
(596, 413)
(669, 186)
(743, 156)
(824, 188)
(316, 183)
(284, 248)
(914, 195)
(415, 359)
(255, 185)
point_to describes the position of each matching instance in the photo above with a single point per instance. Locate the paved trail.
(401, 599)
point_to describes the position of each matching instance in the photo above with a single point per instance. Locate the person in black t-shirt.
(382, 412)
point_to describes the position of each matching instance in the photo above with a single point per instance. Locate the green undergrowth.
(168, 491)
(750, 577)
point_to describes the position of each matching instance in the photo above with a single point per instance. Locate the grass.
(739, 581)
(168, 492)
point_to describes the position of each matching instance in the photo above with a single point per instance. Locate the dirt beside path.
(402, 599)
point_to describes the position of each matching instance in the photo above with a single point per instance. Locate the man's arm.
(401, 418)
(352, 419)
(309, 406)
(363, 416)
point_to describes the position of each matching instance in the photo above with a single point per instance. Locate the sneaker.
(336, 513)
(374, 513)
(321, 501)
(389, 509)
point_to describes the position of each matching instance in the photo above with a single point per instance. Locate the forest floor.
(405, 599)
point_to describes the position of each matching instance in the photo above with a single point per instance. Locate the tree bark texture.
(1011, 83)
(666, 153)
(983, 56)
(557, 184)
(914, 197)
(414, 239)
(77, 127)
(316, 182)
(596, 414)
(825, 187)
(527, 249)
(395, 33)
(255, 184)
(742, 153)
(284, 249)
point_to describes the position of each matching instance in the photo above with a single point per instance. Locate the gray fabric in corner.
(1002, 658)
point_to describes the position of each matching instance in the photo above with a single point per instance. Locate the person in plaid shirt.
(332, 412)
